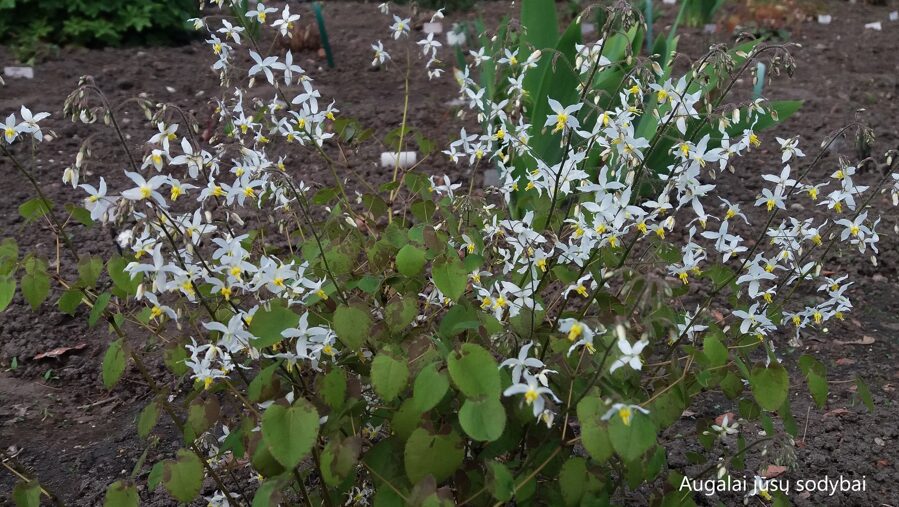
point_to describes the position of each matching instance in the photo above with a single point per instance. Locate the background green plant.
(28, 24)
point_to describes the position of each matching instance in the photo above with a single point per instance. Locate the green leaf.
(410, 260)
(864, 393)
(147, 419)
(458, 319)
(483, 420)
(816, 376)
(573, 480)
(81, 215)
(450, 277)
(98, 309)
(9, 256)
(631, 441)
(389, 376)
(7, 290)
(27, 494)
(264, 385)
(339, 458)
(400, 313)
(430, 387)
(714, 350)
(594, 431)
(89, 270)
(201, 415)
(332, 388)
(352, 326)
(269, 493)
(290, 432)
(267, 325)
(121, 278)
(113, 364)
(474, 372)
(154, 478)
(769, 386)
(183, 476)
(437, 455)
(70, 301)
(35, 287)
(500, 481)
(174, 356)
(34, 208)
(121, 494)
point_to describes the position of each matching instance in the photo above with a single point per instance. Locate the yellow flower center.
(145, 191)
(626, 414)
(176, 192)
(575, 331)
(561, 120)
(530, 396)
(582, 290)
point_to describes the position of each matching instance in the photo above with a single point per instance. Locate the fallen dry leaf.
(836, 412)
(773, 471)
(845, 361)
(883, 463)
(865, 340)
(58, 351)
(730, 418)
(888, 388)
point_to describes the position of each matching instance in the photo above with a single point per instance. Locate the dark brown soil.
(78, 437)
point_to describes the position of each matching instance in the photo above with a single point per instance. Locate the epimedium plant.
(419, 343)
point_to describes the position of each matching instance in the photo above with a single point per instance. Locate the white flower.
(10, 129)
(521, 364)
(533, 393)
(563, 117)
(263, 65)
(260, 12)
(285, 23)
(145, 189)
(97, 202)
(399, 27)
(429, 45)
(625, 412)
(29, 123)
(630, 355)
(381, 55)
(231, 31)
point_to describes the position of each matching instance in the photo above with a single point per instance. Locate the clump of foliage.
(700, 12)
(421, 342)
(29, 24)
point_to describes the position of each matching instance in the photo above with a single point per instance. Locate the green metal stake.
(648, 16)
(320, 19)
